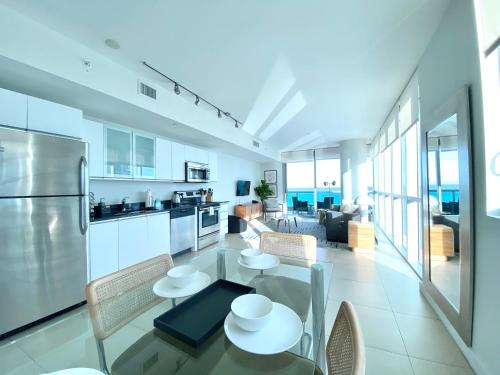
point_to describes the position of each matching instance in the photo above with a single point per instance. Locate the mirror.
(448, 211)
(444, 208)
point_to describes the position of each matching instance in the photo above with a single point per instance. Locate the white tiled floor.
(402, 333)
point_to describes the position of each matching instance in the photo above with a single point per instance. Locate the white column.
(353, 168)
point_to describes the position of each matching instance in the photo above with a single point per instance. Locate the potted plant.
(263, 191)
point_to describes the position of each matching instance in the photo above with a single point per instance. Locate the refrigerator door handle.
(83, 215)
(83, 199)
(83, 175)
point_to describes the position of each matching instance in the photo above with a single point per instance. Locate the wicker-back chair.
(345, 351)
(289, 244)
(116, 299)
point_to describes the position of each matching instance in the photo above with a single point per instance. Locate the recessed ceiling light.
(111, 43)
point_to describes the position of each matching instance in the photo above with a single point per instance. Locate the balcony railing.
(308, 195)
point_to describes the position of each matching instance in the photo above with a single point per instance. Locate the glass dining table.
(300, 284)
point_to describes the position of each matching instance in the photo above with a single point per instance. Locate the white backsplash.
(230, 169)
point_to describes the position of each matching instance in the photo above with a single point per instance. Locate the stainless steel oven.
(197, 172)
(208, 225)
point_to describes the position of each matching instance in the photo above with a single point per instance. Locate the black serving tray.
(197, 318)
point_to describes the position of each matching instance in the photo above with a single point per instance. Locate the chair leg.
(102, 357)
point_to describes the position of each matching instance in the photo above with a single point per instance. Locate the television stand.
(248, 211)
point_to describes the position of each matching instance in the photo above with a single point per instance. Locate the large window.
(300, 181)
(328, 171)
(314, 180)
(396, 171)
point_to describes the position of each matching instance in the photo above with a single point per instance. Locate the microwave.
(197, 172)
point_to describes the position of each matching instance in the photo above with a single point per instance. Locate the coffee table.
(286, 219)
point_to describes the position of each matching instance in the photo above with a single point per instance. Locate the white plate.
(281, 333)
(164, 287)
(267, 262)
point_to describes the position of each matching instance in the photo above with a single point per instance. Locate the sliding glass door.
(313, 177)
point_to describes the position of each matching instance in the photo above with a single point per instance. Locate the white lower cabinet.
(224, 212)
(133, 240)
(103, 254)
(118, 244)
(158, 234)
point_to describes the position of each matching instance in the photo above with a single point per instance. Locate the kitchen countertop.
(137, 213)
(128, 214)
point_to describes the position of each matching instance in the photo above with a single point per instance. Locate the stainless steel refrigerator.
(43, 226)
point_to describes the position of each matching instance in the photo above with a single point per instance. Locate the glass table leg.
(318, 311)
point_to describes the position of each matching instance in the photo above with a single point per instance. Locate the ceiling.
(322, 71)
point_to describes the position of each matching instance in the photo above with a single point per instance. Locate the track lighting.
(198, 98)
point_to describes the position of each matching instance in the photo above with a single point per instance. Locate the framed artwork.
(274, 189)
(271, 176)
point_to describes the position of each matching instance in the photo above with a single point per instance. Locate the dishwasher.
(182, 229)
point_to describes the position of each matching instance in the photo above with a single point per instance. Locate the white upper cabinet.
(93, 133)
(13, 109)
(118, 152)
(196, 154)
(54, 118)
(163, 159)
(144, 156)
(178, 162)
(213, 165)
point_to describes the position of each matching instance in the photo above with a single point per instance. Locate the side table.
(361, 235)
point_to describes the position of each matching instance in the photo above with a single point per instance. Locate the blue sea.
(309, 196)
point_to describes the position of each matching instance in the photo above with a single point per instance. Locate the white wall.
(449, 62)
(27, 42)
(279, 167)
(230, 169)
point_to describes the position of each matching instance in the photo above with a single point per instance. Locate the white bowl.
(251, 256)
(251, 312)
(181, 276)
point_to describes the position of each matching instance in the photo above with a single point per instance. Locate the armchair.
(299, 205)
(336, 225)
(272, 205)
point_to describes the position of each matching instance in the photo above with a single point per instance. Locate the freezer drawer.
(43, 267)
(34, 164)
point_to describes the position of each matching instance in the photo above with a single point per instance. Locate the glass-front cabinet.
(118, 152)
(144, 156)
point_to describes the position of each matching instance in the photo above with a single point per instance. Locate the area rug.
(304, 226)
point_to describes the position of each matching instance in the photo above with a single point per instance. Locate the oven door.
(208, 223)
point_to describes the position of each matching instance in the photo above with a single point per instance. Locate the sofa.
(336, 225)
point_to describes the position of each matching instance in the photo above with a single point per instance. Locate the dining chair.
(116, 299)
(345, 350)
(289, 244)
(293, 293)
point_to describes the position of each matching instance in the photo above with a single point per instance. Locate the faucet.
(124, 204)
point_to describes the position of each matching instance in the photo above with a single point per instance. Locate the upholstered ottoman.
(236, 224)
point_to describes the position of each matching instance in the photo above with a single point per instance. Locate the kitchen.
(116, 162)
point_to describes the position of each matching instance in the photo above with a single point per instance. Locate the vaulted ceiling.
(297, 73)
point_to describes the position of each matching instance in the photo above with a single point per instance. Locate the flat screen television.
(242, 188)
